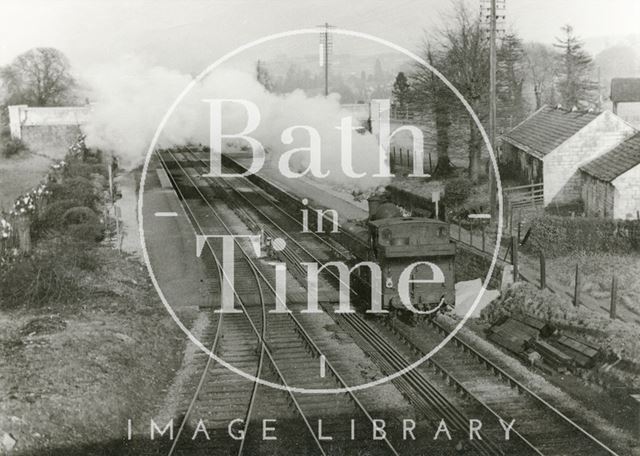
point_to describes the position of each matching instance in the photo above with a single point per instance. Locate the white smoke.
(131, 98)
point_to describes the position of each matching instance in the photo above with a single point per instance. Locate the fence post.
(614, 297)
(533, 198)
(483, 238)
(510, 220)
(543, 271)
(636, 399)
(471, 234)
(576, 295)
(23, 223)
(459, 230)
(514, 258)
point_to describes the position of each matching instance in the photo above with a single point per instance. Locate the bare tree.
(39, 77)
(467, 66)
(541, 66)
(460, 52)
(429, 91)
(511, 77)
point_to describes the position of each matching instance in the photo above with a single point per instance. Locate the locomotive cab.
(397, 243)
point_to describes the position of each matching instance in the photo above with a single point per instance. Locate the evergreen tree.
(401, 92)
(575, 71)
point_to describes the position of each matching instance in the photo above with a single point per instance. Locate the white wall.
(562, 180)
(48, 131)
(627, 196)
(21, 116)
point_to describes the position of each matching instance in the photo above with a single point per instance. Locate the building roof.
(547, 128)
(625, 90)
(616, 162)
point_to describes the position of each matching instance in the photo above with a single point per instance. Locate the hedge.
(79, 188)
(557, 236)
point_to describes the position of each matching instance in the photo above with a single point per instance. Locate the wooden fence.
(522, 202)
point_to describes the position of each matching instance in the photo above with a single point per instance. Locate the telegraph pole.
(325, 48)
(492, 103)
(490, 16)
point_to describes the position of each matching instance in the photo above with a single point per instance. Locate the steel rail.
(301, 329)
(190, 214)
(500, 373)
(436, 396)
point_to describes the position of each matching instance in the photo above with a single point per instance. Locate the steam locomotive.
(395, 242)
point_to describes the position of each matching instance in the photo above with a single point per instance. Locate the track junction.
(458, 384)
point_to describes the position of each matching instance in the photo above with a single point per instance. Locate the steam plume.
(131, 98)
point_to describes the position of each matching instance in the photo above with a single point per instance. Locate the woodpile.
(524, 335)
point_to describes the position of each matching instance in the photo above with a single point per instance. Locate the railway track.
(540, 429)
(416, 387)
(286, 354)
(561, 435)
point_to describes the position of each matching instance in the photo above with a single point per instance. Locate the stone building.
(611, 182)
(624, 90)
(550, 146)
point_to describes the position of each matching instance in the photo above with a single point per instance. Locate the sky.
(189, 34)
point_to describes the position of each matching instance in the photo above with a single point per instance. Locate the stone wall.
(47, 130)
(562, 180)
(50, 140)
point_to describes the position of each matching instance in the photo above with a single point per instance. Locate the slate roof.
(616, 162)
(625, 90)
(546, 129)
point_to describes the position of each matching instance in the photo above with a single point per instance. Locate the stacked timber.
(553, 357)
(523, 334)
(512, 334)
(584, 355)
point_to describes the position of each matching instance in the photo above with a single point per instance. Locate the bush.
(557, 236)
(52, 216)
(52, 274)
(456, 192)
(87, 232)
(79, 215)
(12, 146)
(78, 188)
